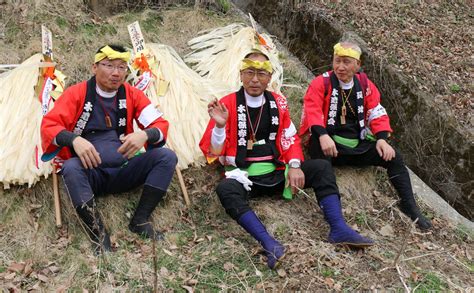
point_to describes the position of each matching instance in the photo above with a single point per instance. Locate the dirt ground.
(204, 249)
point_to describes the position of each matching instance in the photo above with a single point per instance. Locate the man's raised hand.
(218, 112)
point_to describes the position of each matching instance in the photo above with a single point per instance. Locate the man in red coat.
(349, 126)
(252, 135)
(91, 130)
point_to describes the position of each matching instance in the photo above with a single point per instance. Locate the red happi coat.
(68, 109)
(287, 140)
(316, 106)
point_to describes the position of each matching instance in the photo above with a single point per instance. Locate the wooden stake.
(57, 203)
(183, 187)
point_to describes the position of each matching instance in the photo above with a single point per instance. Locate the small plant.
(361, 218)
(455, 88)
(224, 5)
(327, 272)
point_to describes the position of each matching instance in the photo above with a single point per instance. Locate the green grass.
(62, 22)
(430, 283)
(152, 22)
(463, 233)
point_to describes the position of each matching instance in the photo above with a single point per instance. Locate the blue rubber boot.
(273, 249)
(340, 232)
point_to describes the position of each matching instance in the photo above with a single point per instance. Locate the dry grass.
(205, 250)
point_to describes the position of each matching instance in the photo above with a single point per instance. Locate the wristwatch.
(295, 164)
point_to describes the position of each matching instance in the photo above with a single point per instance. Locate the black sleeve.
(153, 134)
(65, 138)
(318, 130)
(382, 135)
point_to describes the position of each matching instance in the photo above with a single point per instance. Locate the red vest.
(287, 140)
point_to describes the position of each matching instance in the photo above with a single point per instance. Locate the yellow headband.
(109, 53)
(348, 52)
(248, 63)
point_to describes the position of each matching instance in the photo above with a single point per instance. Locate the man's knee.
(396, 165)
(319, 166)
(232, 196)
(72, 166)
(227, 187)
(164, 156)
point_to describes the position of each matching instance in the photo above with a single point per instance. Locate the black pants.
(396, 169)
(234, 198)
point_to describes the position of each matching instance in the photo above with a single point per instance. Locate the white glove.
(241, 176)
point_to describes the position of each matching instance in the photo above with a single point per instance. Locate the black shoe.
(146, 230)
(95, 227)
(411, 210)
(140, 222)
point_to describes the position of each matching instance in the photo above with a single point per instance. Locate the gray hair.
(346, 43)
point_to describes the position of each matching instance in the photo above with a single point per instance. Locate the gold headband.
(248, 63)
(346, 52)
(109, 53)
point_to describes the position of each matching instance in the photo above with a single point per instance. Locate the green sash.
(262, 168)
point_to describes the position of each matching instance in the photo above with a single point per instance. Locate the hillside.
(204, 249)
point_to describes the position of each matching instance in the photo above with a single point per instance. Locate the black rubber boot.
(140, 223)
(95, 227)
(410, 208)
(408, 204)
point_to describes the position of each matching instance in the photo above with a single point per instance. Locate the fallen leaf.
(16, 267)
(54, 269)
(192, 282)
(42, 278)
(199, 240)
(386, 230)
(167, 252)
(28, 268)
(281, 272)
(188, 289)
(61, 289)
(10, 276)
(258, 273)
(329, 282)
(228, 266)
(164, 271)
(173, 247)
(209, 238)
(243, 273)
(206, 253)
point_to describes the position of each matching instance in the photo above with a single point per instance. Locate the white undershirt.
(346, 86)
(105, 94)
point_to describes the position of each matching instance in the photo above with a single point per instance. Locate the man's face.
(345, 67)
(255, 81)
(110, 74)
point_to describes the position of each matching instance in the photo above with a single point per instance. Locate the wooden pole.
(57, 203)
(183, 187)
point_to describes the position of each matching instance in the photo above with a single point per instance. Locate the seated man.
(349, 126)
(91, 129)
(252, 134)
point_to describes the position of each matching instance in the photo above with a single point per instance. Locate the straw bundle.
(20, 120)
(217, 54)
(184, 103)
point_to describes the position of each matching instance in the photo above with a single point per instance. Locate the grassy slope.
(205, 249)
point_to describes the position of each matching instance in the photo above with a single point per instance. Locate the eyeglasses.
(111, 68)
(261, 74)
